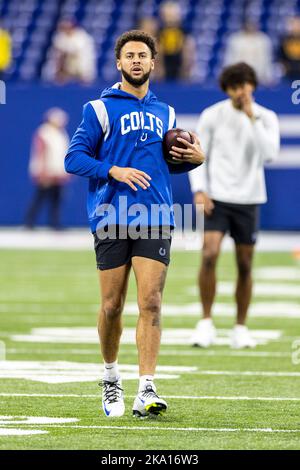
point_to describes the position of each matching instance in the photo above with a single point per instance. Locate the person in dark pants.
(238, 136)
(50, 143)
(52, 194)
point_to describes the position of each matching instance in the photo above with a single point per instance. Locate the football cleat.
(241, 338)
(112, 398)
(148, 403)
(204, 334)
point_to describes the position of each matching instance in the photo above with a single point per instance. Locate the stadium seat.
(33, 22)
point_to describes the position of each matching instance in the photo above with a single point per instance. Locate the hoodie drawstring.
(142, 121)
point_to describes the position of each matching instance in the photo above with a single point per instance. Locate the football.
(170, 139)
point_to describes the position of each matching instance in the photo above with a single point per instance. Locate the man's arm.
(80, 159)
(266, 130)
(194, 155)
(268, 136)
(198, 177)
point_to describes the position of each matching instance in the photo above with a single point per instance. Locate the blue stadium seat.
(33, 23)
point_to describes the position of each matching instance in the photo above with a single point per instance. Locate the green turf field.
(218, 398)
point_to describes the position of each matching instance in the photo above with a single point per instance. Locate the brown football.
(170, 139)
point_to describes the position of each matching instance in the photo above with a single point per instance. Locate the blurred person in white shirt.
(46, 167)
(238, 137)
(253, 47)
(75, 54)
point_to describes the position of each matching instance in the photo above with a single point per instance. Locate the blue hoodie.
(120, 129)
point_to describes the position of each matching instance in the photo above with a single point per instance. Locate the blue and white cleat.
(112, 398)
(148, 403)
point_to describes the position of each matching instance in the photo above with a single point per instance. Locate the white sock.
(207, 321)
(146, 380)
(240, 328)
(111, 371)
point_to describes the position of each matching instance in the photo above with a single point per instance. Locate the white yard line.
(37, 311)
(81, 240)
(261, 289)
(165, 428)
(277, 273)
(249, 373)
(170, 336)
(131, 349)
(170, 397)
(200, 352)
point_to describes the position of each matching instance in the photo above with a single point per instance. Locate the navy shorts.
(239, 220)
(116, 252)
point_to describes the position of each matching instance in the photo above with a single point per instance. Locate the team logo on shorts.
(162, 251)
(254, 236)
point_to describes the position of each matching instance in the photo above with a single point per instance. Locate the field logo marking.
(29, 421)
(20, 432)
(5, 420)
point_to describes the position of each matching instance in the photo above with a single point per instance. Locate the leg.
(244, 257)
(113, 285)
(207, 275)
(55, 199)
(35, 205)
(150, 277)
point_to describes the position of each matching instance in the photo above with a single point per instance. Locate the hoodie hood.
(115, 92)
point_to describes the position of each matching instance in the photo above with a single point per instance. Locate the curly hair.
(138, 36)
(237, 74)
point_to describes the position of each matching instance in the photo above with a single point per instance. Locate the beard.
(136, 82)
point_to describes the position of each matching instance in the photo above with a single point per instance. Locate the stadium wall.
(26, 104)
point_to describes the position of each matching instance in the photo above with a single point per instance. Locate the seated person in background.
(176, 48)
(75, 54)
(253, 47)
(5, 50)
(289, 51)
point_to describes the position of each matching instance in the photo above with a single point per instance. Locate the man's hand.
(201, 198)
(247, 106)
(192, 154)
(130, 176)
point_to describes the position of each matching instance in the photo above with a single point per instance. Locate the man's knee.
(210, 256)
(112, 308)
(244, 268)
(150, 304)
